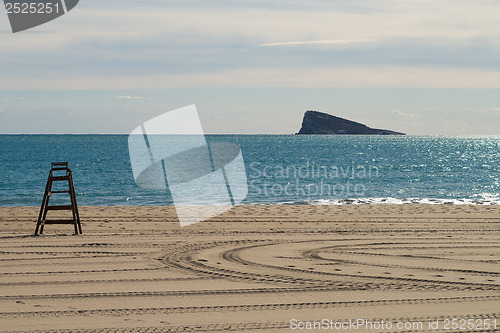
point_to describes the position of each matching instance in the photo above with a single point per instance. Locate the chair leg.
(43, 207)
(74, 207)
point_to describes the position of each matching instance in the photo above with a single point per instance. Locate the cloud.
(297, 77)
(7, 99)
(129, 97)
(191, 40)
(320, 42)
(402, 114)
(461, 109)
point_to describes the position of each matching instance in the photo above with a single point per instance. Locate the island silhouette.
(316, 122)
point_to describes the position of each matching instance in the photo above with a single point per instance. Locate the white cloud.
(7, 99)
(129, 97)
(320, 42)
(478, 109)
(402, 114)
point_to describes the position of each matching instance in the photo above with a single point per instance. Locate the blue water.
(280, 169)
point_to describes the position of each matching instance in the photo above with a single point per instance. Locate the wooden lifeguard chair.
(59, 172)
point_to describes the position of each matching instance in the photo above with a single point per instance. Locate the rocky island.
(316, 122)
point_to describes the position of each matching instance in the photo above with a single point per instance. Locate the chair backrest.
(59, 165)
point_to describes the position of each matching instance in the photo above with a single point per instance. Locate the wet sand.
(254, 268)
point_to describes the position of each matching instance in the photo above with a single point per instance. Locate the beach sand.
(254, 268)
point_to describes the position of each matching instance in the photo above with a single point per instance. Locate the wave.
(396, 201)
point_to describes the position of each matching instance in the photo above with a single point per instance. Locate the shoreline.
(491, 201)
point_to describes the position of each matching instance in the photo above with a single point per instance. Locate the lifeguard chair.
(59, 173)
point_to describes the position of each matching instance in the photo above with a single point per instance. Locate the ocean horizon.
(280, 169)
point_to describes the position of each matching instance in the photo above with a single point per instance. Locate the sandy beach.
(254, 268)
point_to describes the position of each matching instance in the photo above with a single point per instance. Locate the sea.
(280, 169)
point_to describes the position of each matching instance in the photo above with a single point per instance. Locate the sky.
(421, 67)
